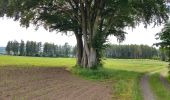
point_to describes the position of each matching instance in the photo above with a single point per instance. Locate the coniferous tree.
(15, 47)
(38, 48)
(28, 48)
(22, 48)
(32, 48)
(66, 48)
(8, 48)
(45, 49)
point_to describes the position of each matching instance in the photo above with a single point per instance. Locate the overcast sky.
(10, 30)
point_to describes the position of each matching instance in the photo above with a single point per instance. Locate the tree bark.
(89, 53)
(84, 61)
(79, 54)
(92, 59)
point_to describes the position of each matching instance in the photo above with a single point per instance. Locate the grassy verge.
(125, 83)
(161, 92)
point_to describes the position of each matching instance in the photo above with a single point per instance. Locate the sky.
(11, 30)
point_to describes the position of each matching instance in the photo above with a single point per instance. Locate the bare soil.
(49, 84)
(145, 89)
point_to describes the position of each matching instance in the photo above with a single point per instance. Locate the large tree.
(92, 21)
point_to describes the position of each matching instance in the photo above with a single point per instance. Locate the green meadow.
(123, 74)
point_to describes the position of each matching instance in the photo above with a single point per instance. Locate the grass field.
(16, 61)
(123, 74)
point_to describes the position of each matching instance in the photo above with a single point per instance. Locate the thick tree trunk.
(89, 26)
(79, 54)
(89, 60)
(92, 59)
(84, 61)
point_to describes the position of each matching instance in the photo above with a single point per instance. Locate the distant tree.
(28, 48)
(50, 50)
(53, 50)
(60, 51)
(74, 50)
(15, 47)
(38, 48)
(22, 48)
(33, 48)
(9, 47)
(131, 52)
(67, 49)
(45, 49)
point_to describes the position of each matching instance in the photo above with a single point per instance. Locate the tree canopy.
(164, 36)
(92, 21)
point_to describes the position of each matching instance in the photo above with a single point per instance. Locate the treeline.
(37, 49)
(32, 48)
(131, 52)
(2, 50)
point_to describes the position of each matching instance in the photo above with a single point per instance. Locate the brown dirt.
(145, 89)
(49, 84)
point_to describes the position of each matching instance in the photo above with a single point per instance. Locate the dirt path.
(164, 82)
(49, 84)
(145, 89)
